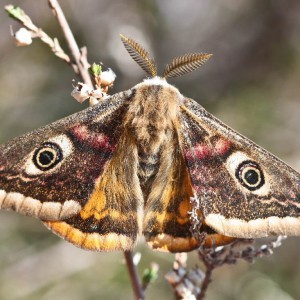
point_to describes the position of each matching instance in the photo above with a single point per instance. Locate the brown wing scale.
(167, 224)
(109, 220)
(244, 191)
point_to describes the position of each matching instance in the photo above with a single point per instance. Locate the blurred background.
(252, 83)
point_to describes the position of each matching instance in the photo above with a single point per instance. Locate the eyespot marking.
(49, 155)
(248, 174)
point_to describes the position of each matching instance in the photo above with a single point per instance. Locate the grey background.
(251, 83)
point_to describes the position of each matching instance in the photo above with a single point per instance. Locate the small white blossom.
(107, 77)
(136, 258)
(98, 94)
(93, 101)
(184, 292)
(23, 37)
(81, 92)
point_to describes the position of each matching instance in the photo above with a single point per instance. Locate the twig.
(83, 69)
(230, 254)
(208, 273)
(135, 281)
(193, 284)
(20, 16)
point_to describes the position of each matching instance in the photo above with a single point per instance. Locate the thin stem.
(54, 45)
(54, 5)
(205, 283)
(136, 285)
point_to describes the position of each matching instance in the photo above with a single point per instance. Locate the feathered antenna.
(184, 64)
(140, 55)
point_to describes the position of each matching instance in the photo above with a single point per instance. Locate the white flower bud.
(136, 258)
(172, 277)
(23, 37)
(107, 77)
(184, 292)
(93, 101)
(98, 94)
(81, 92)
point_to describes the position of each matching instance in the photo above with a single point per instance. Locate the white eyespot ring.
(49, 155)
(248, 174)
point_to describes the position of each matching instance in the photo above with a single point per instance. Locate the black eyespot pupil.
(46, 157)
(251, 177)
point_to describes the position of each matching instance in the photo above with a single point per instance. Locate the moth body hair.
(152, 118)
(152, 112)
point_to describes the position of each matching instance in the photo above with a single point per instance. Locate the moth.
(130, 165)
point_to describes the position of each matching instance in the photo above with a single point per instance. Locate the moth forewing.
(240, 180)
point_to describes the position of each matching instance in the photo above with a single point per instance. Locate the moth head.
(47, 156)
(179, 65)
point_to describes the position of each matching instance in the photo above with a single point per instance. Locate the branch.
(193, 284)
(19, 15)
(136, 285)
(80, 62)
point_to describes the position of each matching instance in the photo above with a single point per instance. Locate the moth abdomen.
(148, 165)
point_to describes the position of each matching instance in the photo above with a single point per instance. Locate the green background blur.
(252, 83)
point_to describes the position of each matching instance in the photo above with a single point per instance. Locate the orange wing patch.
(167, 222)
(91, 241)
(167, 225)
(109, 220)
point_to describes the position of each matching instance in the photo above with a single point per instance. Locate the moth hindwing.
(131, 164)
